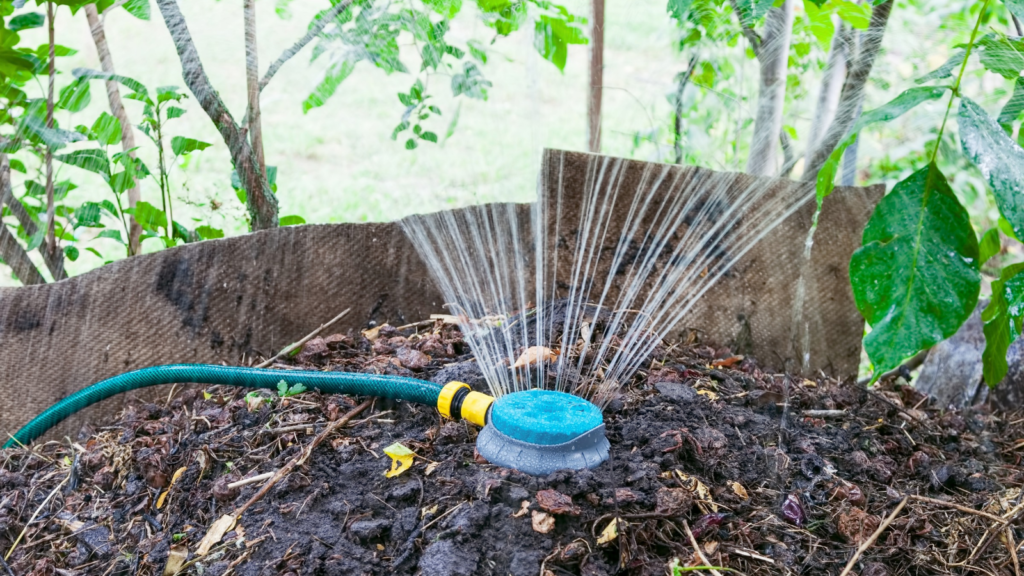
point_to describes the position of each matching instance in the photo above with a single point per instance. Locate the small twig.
(34, 515)
(938, 502)
(1011, 546)
(700, 553)
(750, 554)
(287, 429)
(867, 544)
(824, 413)
(287, 349)
(7, 569)
(251, 480)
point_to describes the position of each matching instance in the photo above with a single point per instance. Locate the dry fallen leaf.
(726, 362)
(401, 459)
(430, 468)
(534, 355)
(523, 509)
(175, 559)
(174, 478)
(610, 533)
(373, 333)
(557, 503)
(710, 547)
(739, 490)
(704, 500)
(542, 522)
(215, 534)
(711, 395)
(425, 511)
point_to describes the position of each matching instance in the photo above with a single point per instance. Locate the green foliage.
(284, 391)
(1002, 322)
(919, 257)
(989, 246)
(998, 157)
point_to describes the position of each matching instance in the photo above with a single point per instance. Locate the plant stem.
(165, 184)
(956, 85)
(596, 77)
(252, 79)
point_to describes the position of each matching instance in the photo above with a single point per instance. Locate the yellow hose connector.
(457, 400)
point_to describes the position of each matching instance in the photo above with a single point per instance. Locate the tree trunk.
(596, 77)
(773, 57)
(252, 78)
(850, 101)
(849, 175)
(260, 200)
(51, 209)
(117, 109)
(831, 87)
(10, 250)
(54, 264)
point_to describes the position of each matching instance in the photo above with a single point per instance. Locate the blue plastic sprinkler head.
(534, 431)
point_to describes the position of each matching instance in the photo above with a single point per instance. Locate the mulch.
(766, 473)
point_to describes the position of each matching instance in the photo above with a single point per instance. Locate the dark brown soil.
(700, 442)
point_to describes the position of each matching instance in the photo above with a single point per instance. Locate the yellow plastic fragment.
(401, 459)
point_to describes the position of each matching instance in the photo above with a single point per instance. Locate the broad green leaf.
(26, 21)
(856, 15)
(168, 94)
(107, 129)
(446, 8)
(411, 144)
(820, 21)
(148, 216)
(470, 82)
(18, 166)
(112, 234)
(946, 70)
(109, 207)
(291, 220)
(130, 83)
(552, 37)
(333, 78)
(678, 9)
(1016, 7)
(43, 51)
(174, 112)
(121, 181)
(1006, 228)
(1013, 107)
(182, 233)
(181, 145)
(751, 11)
(989, 246)
(429, 137)
(34, 127)
(915, 278)
(889, 111)
(92, 160)
(477, 50)
(1003, 318)
(71, 252)
(209, 233)
(87, 215)
(998, 157)
(1002, 55)
(61, 189)
(138, 8)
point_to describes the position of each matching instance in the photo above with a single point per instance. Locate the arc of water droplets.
(504, 271)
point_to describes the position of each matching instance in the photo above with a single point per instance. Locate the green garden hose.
(396, 387)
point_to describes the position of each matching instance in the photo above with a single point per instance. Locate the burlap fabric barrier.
(227, 300)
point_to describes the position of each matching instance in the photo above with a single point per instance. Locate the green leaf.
(1002, 55)
(989, 246)
(91, 159)
(95, 252)
(1003, 318)
(109, 207)
(291, 220)
(333, 78)
(857, 15)
(112, 234)
(998, 157)
(26, 21)
(138, 8)
(130, 83)
(429, 137)
(470, 82)
(87, 215)
(168, 94)
(454, 123)
(107, 129)
(751, 11)
(181, 145)
(209, 232)
(1016, 7)
(18, 166)
(71, 252)
(477, 50)
(915, 278)
(74, 97)
(678, 9)
(820, 20)
(148, 216)
(411, 144)
(1013, 107)
(446, 8)
(121, 181)
(552, 36)
(174, 112)
(946, 70)
(887, 112)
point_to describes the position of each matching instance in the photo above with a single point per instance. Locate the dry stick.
(99, 38)
(287, 349)
(938, 502)
(867, 544)
(252, 480)
(696, 548)
(7, 569)
(1011, 547)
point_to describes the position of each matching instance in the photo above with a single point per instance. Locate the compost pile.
(705, 449)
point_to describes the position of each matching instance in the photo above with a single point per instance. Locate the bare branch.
(748, 32)
(252, 74)
(313, 31)
(853, 90)
(260, 200)
(678, 120)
